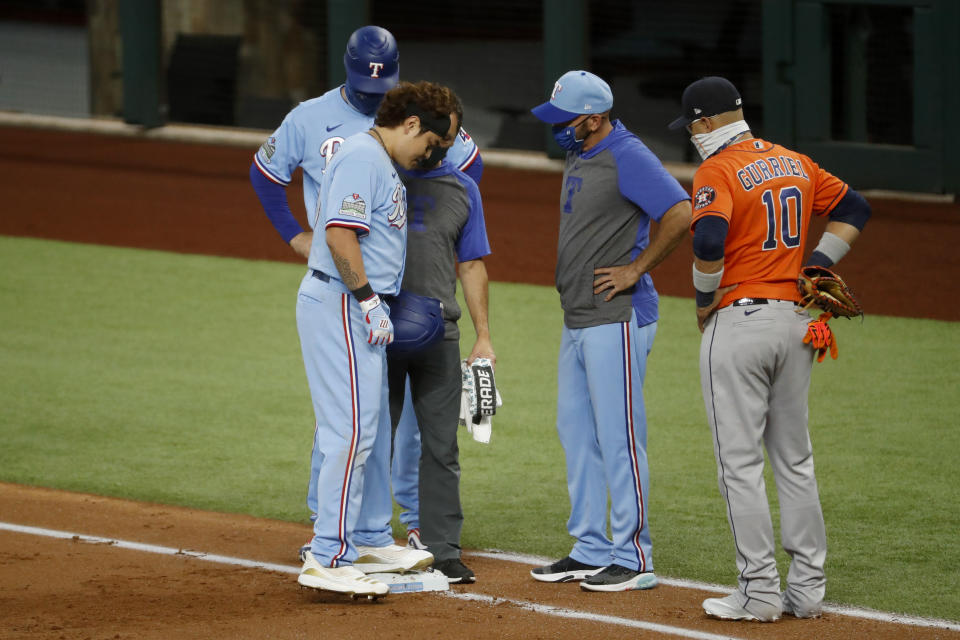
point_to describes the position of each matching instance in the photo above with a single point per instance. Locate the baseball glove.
(821, 287)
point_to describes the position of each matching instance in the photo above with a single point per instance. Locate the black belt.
(322, 277)
(743, 302)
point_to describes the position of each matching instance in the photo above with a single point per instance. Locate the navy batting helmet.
(417, 322)
(372, 60)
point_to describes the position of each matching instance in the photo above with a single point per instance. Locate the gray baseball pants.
(755, 377)
(435, 384)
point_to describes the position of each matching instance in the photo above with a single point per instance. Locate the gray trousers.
(435, 384)
(755, 377)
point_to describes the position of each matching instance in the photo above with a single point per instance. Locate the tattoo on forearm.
(347, 274)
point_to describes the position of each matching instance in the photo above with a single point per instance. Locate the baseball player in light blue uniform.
(612, 187)
(366, 196)
(309, 137)
(344, 327)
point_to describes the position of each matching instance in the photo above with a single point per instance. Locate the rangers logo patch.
(268, 149)
(353, 206)
(705, 195)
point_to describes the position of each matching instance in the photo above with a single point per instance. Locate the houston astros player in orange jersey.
(752, 205)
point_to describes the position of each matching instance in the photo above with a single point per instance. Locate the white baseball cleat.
(348, 579)
(392, 559)
(729, 608)
(791, 609)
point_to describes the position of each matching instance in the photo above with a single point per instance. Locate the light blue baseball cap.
(575, 93)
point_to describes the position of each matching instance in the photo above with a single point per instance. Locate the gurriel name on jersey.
(760, 171)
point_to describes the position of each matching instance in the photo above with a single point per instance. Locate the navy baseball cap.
(707, 97)
(575, 93)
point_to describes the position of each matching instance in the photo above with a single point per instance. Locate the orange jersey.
(767, 194)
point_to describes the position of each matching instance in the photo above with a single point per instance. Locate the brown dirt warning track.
(196, 199)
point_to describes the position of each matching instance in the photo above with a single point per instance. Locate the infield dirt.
(53, 588)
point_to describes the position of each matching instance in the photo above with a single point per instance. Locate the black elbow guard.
(853, 209)
(709, 237)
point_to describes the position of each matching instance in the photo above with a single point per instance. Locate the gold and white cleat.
(349, 580)
(392, 559)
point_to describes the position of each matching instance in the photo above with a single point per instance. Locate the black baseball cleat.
(565, 570)
(619, 578)
(455, 570)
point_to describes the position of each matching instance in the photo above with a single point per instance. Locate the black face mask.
(437, 154)
(365, 103)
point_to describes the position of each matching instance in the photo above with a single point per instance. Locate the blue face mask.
(365, 103)
(566, 137)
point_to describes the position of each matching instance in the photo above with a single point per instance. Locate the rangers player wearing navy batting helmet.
(313, 131)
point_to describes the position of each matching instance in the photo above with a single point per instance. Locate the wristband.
(362, 293)
(819, 259)
(706, 282)
(705, 299)
(833, 247)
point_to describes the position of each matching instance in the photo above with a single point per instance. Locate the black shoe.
(619, 578)
(564, 570)
(456, 571)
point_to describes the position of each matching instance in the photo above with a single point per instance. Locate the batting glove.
(820, 337)
(378, 321)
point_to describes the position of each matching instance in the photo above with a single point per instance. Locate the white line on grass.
(498, 555)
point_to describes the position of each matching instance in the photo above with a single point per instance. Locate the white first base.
(414, 581)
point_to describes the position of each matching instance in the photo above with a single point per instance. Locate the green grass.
(178, 379)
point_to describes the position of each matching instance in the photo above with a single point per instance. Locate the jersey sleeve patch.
(268, 148)
(704, 197)
(353, 206)
(263, 159)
